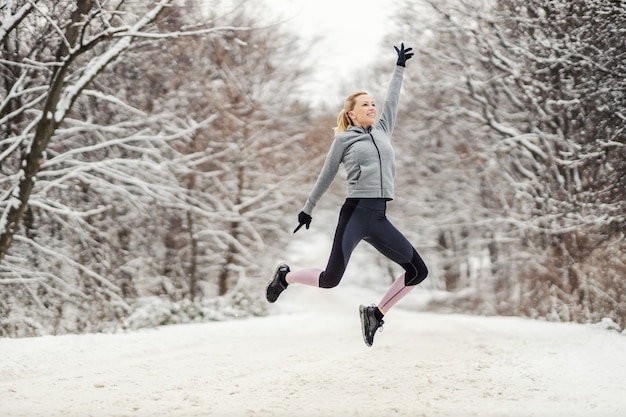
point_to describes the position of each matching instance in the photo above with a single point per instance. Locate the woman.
(363, 145)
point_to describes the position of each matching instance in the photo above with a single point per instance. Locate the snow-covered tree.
(51, 54)
(563, 63)
(520, 110)
(110, 116)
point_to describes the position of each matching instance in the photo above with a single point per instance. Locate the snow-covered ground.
(308, 358)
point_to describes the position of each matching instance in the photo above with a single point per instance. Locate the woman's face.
(364, 112)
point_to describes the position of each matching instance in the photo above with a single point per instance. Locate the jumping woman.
(363, 144)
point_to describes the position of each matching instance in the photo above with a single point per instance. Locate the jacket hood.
(359, 129)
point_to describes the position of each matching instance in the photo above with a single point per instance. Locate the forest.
(158, 153)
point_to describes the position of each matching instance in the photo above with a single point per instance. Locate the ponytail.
(343, 120)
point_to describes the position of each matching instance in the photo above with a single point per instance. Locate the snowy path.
(300, 362)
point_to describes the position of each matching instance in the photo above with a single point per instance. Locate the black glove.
(403, 54)
(303, 219)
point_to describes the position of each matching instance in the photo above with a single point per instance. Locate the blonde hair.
(343, 120)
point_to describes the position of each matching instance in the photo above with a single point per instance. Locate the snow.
(307, 358)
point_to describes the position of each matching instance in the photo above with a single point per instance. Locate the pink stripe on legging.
(394, 294)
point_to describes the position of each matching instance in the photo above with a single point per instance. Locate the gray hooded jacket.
(366, 153)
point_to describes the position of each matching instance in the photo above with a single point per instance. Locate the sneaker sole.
(281, 263)
(362, 315)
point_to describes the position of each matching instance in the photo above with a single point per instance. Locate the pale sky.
(351, 32)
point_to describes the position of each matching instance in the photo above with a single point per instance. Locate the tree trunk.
(32, 160)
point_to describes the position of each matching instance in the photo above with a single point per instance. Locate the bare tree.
(242, 166)
(52, 52)
(569, 151)
(536, 172)
(97, 150)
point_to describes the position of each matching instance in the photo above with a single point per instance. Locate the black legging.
(364, 219)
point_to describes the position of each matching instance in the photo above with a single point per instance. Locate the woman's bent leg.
(391, 243)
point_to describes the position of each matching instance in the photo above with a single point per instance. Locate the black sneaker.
(277, 284)
(369, 324)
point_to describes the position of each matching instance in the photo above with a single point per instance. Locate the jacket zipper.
(380, 165)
